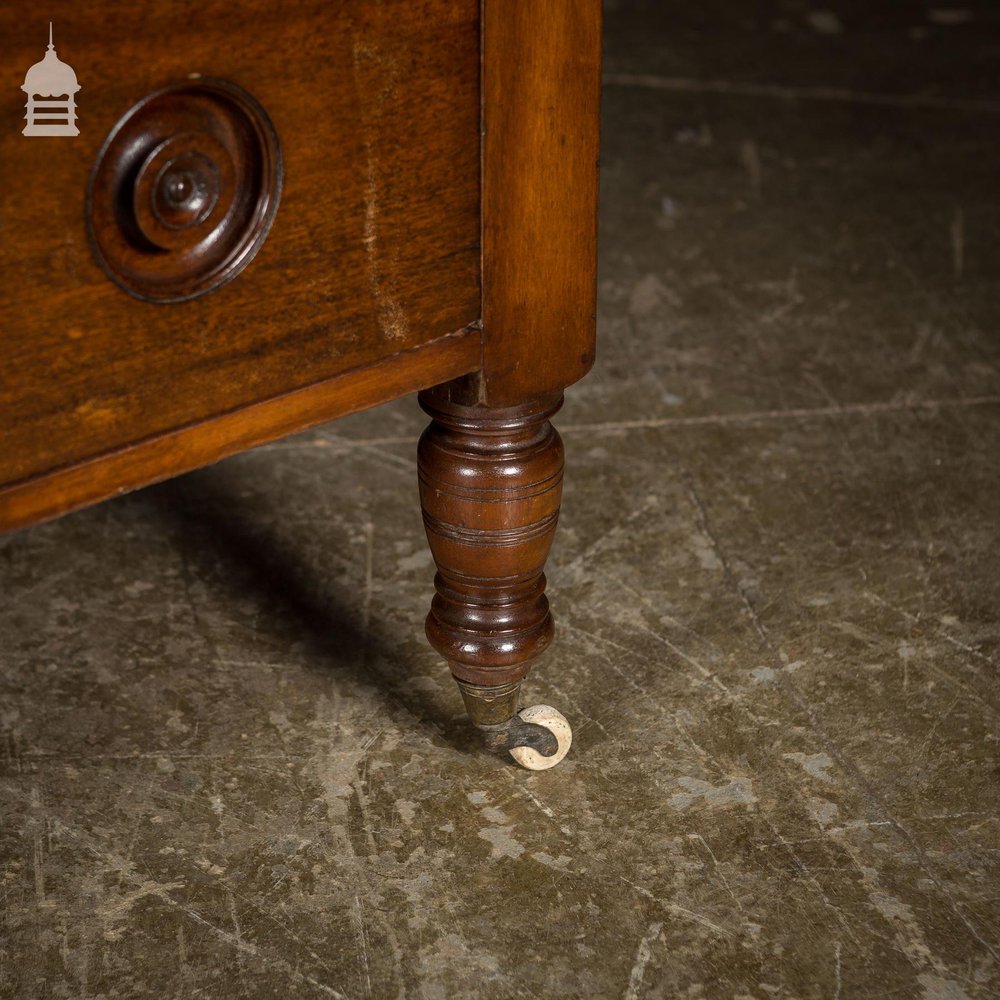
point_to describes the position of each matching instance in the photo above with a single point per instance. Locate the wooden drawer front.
(374, 248)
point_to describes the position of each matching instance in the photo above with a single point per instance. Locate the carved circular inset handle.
(184, 190)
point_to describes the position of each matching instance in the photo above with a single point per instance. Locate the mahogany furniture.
(276, 214)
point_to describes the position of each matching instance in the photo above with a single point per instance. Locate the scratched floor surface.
(231, 767)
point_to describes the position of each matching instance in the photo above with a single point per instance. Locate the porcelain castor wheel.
(555, 722)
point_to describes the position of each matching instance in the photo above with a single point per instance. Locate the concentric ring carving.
(184, 190)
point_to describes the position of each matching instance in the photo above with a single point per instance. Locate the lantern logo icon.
(51, 87)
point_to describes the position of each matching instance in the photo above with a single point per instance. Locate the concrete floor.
(231, 766)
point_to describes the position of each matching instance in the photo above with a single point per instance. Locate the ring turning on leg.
(490, 487)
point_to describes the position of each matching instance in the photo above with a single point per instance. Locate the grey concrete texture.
(232, 767)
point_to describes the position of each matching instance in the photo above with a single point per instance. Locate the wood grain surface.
(541, 109)
(180, 450)
(373, 252)
(490, 489)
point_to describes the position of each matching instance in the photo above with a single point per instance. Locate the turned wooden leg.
(490, 487)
